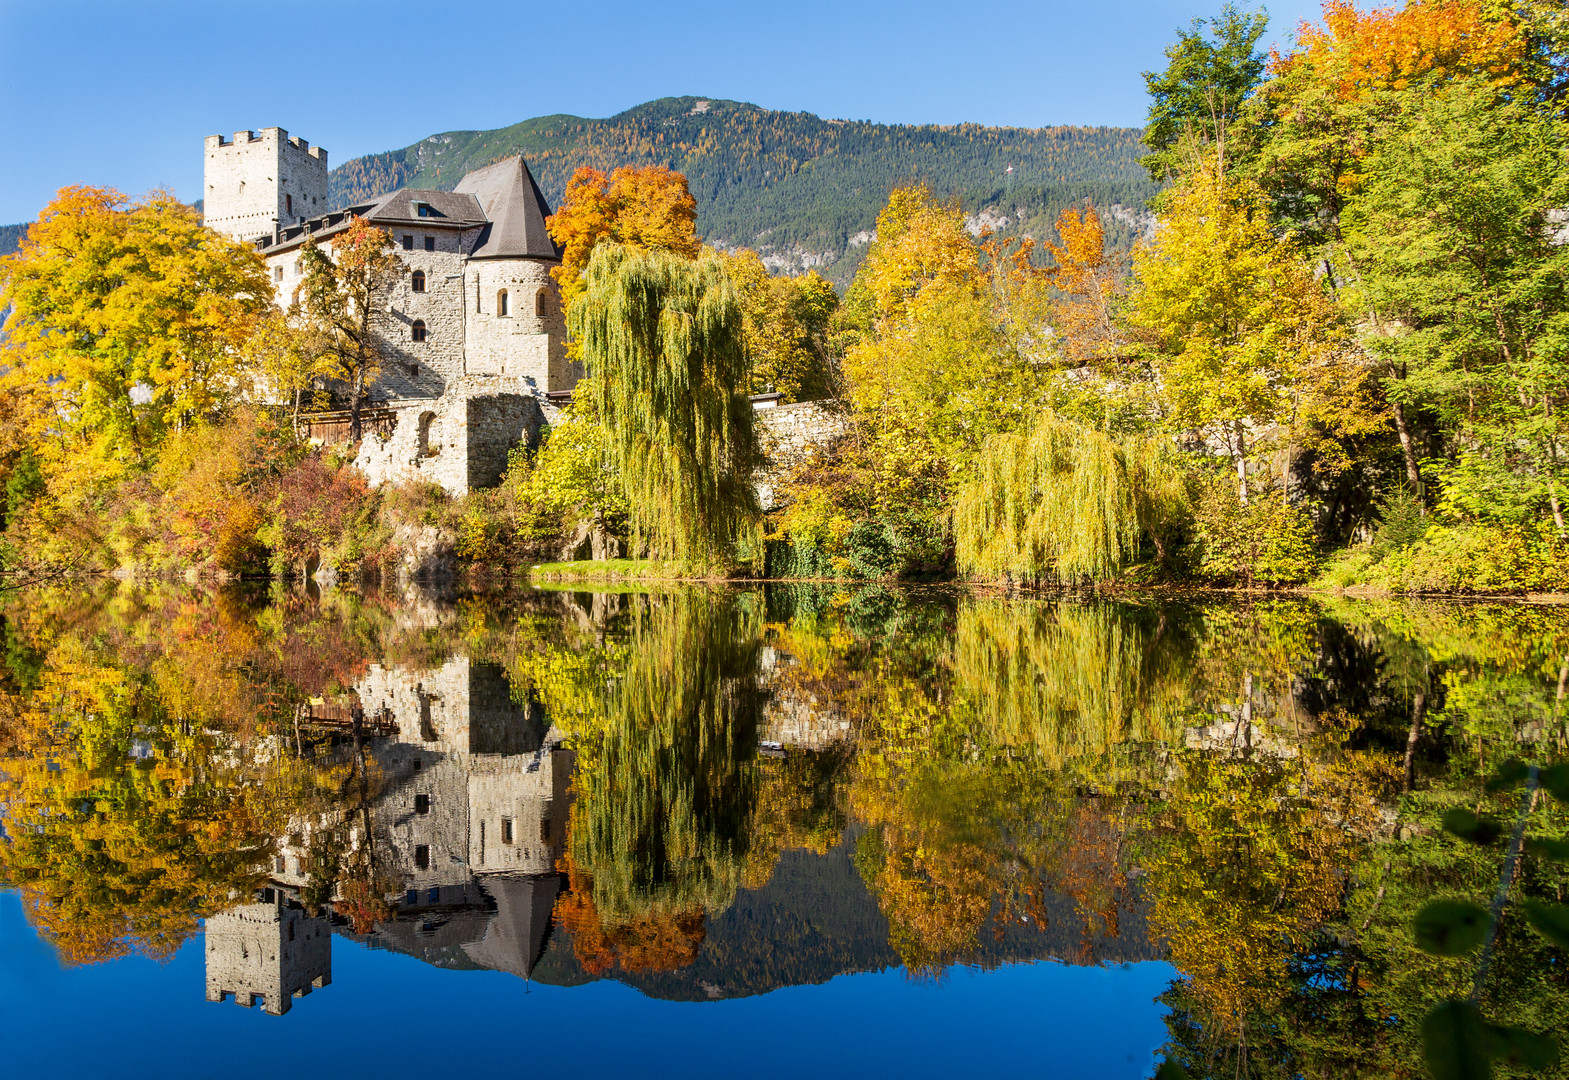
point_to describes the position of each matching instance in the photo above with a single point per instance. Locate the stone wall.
(790, 434)
(261, 180)
(460, 441)
(267, 954)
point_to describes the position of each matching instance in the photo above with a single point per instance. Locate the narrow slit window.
(418, 330)
(541, 304)
(506, 830)
(501, 302)
(417, 281)
(288, 204)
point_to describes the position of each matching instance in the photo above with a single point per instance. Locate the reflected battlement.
(267, 954)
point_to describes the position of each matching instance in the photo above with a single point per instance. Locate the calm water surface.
(706, 833)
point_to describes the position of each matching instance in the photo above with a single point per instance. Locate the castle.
(472, 336)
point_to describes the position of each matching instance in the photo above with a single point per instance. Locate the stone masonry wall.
(529, 342)
(460, 441)
(789, 435)
(267, 954)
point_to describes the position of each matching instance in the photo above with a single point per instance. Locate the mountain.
(801, 190)
(11, 237)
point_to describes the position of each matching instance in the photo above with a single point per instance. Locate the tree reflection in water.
(571, 785)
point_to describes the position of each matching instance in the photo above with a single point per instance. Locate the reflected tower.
(267, 953)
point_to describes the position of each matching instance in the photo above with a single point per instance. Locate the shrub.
(1266, 541)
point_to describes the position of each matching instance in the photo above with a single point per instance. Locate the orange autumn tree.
(648, 209)
(1088, 280)
(1387, 48)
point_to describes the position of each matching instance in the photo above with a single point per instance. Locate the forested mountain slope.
(801, 190)
(11, 237)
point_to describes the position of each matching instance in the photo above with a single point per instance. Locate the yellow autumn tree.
(1243, 337)
(785, 327)
(127, 319)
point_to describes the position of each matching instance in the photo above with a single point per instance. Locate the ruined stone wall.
(460, 441)
(789, 435)
(260, 181)
(267, 954)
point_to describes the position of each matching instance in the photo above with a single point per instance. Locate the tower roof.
(516, 209)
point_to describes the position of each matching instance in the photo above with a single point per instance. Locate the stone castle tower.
(262, 181)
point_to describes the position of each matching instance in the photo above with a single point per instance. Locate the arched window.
(417, 281)
(419, 329)
(501, 303)
(541, 304)
(424, 450)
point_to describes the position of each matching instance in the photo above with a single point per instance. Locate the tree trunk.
(1242, 466)
(1413, 474)
(356, 398)
(1418, 707)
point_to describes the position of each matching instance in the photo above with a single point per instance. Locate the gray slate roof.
(503, 198)
(442, 208)
(516, 209)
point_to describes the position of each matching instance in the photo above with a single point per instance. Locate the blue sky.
(121, 93)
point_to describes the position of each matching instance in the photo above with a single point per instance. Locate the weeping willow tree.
(1063, 503)
(662, 337)
(1070, 683)
(665, 783)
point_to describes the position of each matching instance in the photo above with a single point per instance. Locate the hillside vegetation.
(801, 190)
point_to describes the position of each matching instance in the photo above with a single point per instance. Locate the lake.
(767, 831)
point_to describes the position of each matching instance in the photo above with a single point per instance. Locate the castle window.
(425, 420)
(430, 243)
(299, 267)
(417, 281)
(424, 210)
(421, 857)
(422, 804)
(544, 830)
(412, 897)
(418, 330)
(277, 273)
(408, 243)
(434, 896)
(506, 830)
(413, 371)
(541, 304)
(291, 929)
(501, 302)
(288, 204)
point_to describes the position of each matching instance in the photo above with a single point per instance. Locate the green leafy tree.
(1198, 98)
(1458, 261)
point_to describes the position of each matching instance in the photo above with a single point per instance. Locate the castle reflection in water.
(470, 819)
(468, 811)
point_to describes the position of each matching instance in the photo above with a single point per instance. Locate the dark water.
(763, 833)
